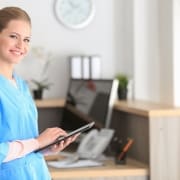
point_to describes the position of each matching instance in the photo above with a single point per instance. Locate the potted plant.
(40, 87)
(123, 85)
(41, 82)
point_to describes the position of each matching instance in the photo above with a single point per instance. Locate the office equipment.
(95, 143)
(89, 100)
(125, 149)
(122, 153)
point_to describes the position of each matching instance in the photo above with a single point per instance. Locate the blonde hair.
(12, 13)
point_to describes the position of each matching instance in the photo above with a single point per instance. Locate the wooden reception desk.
(155, 129)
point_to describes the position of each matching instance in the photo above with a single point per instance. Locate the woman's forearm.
(20, 148)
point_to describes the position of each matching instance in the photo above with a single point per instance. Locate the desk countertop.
(50, 103)
(139, 107)
(147, 109)
(132, 168)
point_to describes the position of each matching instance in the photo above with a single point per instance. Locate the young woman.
(18, 114)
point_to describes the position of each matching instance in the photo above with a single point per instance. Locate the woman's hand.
(50, 135)
(63, 144)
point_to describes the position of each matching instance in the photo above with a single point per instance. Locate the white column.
(146, 62)
(165, 51)
(176, 51)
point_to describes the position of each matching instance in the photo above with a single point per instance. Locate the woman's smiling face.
(14, 41)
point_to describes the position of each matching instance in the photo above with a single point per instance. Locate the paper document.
(76, 164)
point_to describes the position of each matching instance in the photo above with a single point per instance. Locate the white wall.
(97, 38)
(123, 30)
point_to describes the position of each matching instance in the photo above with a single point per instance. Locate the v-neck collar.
(8, 82)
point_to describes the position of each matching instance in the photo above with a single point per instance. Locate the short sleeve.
(4, 146)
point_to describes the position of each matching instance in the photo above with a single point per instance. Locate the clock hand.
(73, 5)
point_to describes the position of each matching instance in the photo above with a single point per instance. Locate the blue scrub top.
(18, 121)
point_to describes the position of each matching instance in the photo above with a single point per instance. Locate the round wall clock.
(74, 14)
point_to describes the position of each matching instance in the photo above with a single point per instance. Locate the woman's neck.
(6, 71)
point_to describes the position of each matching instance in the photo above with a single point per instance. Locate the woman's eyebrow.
(20, 35)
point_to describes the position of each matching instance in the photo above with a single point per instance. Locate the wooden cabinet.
(49, 113)
(156, 132)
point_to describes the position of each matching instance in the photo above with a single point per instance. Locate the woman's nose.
(19, 44)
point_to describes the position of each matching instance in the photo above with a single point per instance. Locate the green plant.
(41, 85)
(123, 81)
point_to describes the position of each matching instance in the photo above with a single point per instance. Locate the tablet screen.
(79, 130)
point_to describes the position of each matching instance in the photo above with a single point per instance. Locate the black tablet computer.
(61, 138)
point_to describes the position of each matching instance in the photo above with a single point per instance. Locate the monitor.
(89, 100)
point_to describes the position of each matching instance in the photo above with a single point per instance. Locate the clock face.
(74, 13)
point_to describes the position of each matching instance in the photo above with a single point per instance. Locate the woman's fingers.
(50, 135)
(63, 144)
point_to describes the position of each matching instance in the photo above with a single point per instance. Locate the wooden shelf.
(141, 108)
(147, 109)
(50, 103)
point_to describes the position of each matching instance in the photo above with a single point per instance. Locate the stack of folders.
(85, 67)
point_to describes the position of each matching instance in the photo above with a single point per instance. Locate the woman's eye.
(13, 36)
(27, 40)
